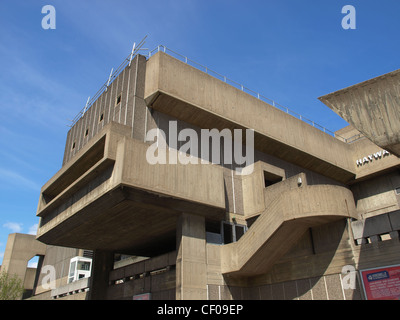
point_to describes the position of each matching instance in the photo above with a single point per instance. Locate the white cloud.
(10, 176)
(33, 229)
(13, 226)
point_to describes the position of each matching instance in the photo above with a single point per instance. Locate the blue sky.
(291, 51)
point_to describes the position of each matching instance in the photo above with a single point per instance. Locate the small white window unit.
(79, 267)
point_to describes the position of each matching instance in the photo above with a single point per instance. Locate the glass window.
(84, 265)
(239, 231)
(270, 179)
(72, 269)
(232, 232)
(118, 100)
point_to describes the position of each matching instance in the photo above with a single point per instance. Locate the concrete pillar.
(191, 262)
(103, 262)
(38, 272)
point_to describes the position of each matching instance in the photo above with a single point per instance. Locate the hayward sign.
(375, 156)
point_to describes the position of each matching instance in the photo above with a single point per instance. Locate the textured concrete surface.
(373, 107)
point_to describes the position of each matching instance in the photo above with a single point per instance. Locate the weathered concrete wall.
(155, 276)
(372, 159)
(243, 193)
(21, 248)
(310, 270)
(59, 258)
(109, 197)
(189, 94)
(376, 228)
(377, 195)
(130, 111)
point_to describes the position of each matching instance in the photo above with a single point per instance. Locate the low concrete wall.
(155, 276)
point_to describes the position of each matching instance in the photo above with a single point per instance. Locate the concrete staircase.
(282, 223)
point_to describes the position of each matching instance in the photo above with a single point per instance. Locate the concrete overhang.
(118, 192)
(188, 94)
(373, 108)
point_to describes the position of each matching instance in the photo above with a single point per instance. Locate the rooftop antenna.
(109, 78)
(87, 103)
(136, 49)
(133, 50)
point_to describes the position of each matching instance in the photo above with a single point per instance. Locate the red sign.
(143, 296)
(382, 283)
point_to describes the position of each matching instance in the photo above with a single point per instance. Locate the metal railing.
(244, 89)
(213, 73)
(111, 78)
(354, 138)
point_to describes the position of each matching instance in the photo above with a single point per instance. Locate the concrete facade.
(306, 206)
(21, 248)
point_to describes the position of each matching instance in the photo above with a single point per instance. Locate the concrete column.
(103, 262)
(191, 262)
(38, 272)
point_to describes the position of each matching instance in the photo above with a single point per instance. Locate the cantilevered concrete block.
(373, 107)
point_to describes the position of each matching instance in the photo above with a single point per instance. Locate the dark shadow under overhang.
(127, 220)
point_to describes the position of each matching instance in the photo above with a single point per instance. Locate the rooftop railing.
(113, 75)
(213, 73)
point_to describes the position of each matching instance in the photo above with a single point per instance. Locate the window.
(72, 269)
(118, 100)
(101, 117)
(270, 179)
(232, 232)
(79, 268)
(73, 146)
(71, 274)
(239, 231)
(86, 132)
(84, 265)
(227, 232)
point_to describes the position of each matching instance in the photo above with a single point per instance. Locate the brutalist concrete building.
(160, 215)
